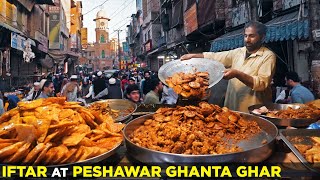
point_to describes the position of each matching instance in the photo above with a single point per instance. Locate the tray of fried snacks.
(296, 115)
(187, 77)
(199, 134)
(305, 144)
(118, 109)
(54, 132)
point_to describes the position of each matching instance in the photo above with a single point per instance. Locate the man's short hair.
(146, 72)
(132, 87)
(154, 83)
(293, 76)
(261, 28)
(46, 84)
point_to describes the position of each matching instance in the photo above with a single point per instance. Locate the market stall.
(53, 132)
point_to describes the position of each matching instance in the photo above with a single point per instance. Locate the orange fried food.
(9, 150)
(304, 112)
(53, 131)
(19, 155)
(197, 130)
(28, 105)
(189, 85)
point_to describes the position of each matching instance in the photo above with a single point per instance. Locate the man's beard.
(254, 46)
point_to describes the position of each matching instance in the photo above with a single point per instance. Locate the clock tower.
(102, 30)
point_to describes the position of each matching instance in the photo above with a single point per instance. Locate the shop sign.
(54, 26)
(84, 38)
(43, 46)
(73, 41)
(125, 46)
(17, 41)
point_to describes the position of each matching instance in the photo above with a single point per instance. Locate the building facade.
(100, 55)
(17, 34)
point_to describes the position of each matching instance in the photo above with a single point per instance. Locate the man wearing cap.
(46, 90)
(114, 91)
(34, 92)
(99, 85)
(71, 89)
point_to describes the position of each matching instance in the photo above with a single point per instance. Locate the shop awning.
(59, 56)
(11, 28)
(285, 27)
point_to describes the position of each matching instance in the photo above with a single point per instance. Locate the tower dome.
(102, 14)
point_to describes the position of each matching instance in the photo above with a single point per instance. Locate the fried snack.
(196, 130)
(190, 85)
(52, 131)
(107, 112)
(311, 152)
(304, 112)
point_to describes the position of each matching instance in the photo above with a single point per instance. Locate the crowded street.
(171, 88)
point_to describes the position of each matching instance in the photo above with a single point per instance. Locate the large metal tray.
(121, 105)
(288, 134)
(214, 68)
(253, 149)
(283, 122)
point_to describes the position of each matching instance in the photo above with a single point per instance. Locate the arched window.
(103, 54)
(102, 39)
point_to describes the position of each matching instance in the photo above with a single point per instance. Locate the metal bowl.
(253, 149)
(299, 122)
(121, 105)
(214, 68)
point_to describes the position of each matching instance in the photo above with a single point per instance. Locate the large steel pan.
(301, 122)
(214, 68)
(294, 137)
(254, 150)
(122, 105)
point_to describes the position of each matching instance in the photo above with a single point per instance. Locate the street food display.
(304, 112)
(118, 109)
(305, 144)
(296, 115)
(52, 131)
(194, 130)
(311, 152)
(188, 85)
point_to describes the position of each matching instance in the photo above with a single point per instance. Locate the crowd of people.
(138, 87)
(249, 71)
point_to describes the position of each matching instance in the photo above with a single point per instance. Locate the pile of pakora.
(194, 130)
(52, 131)
(189, 85)
(304, 112)
(311, 152)
(105, 109)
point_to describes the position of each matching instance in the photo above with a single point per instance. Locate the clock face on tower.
(102, 23)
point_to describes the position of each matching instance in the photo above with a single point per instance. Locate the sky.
(119, 11)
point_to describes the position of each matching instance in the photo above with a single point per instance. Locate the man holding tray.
(250, 69)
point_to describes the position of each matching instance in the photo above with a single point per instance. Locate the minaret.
(102, 30)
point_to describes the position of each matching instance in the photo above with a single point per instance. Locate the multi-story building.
(76, 25)
(61, 21)
(23, 23)
(100, 55)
